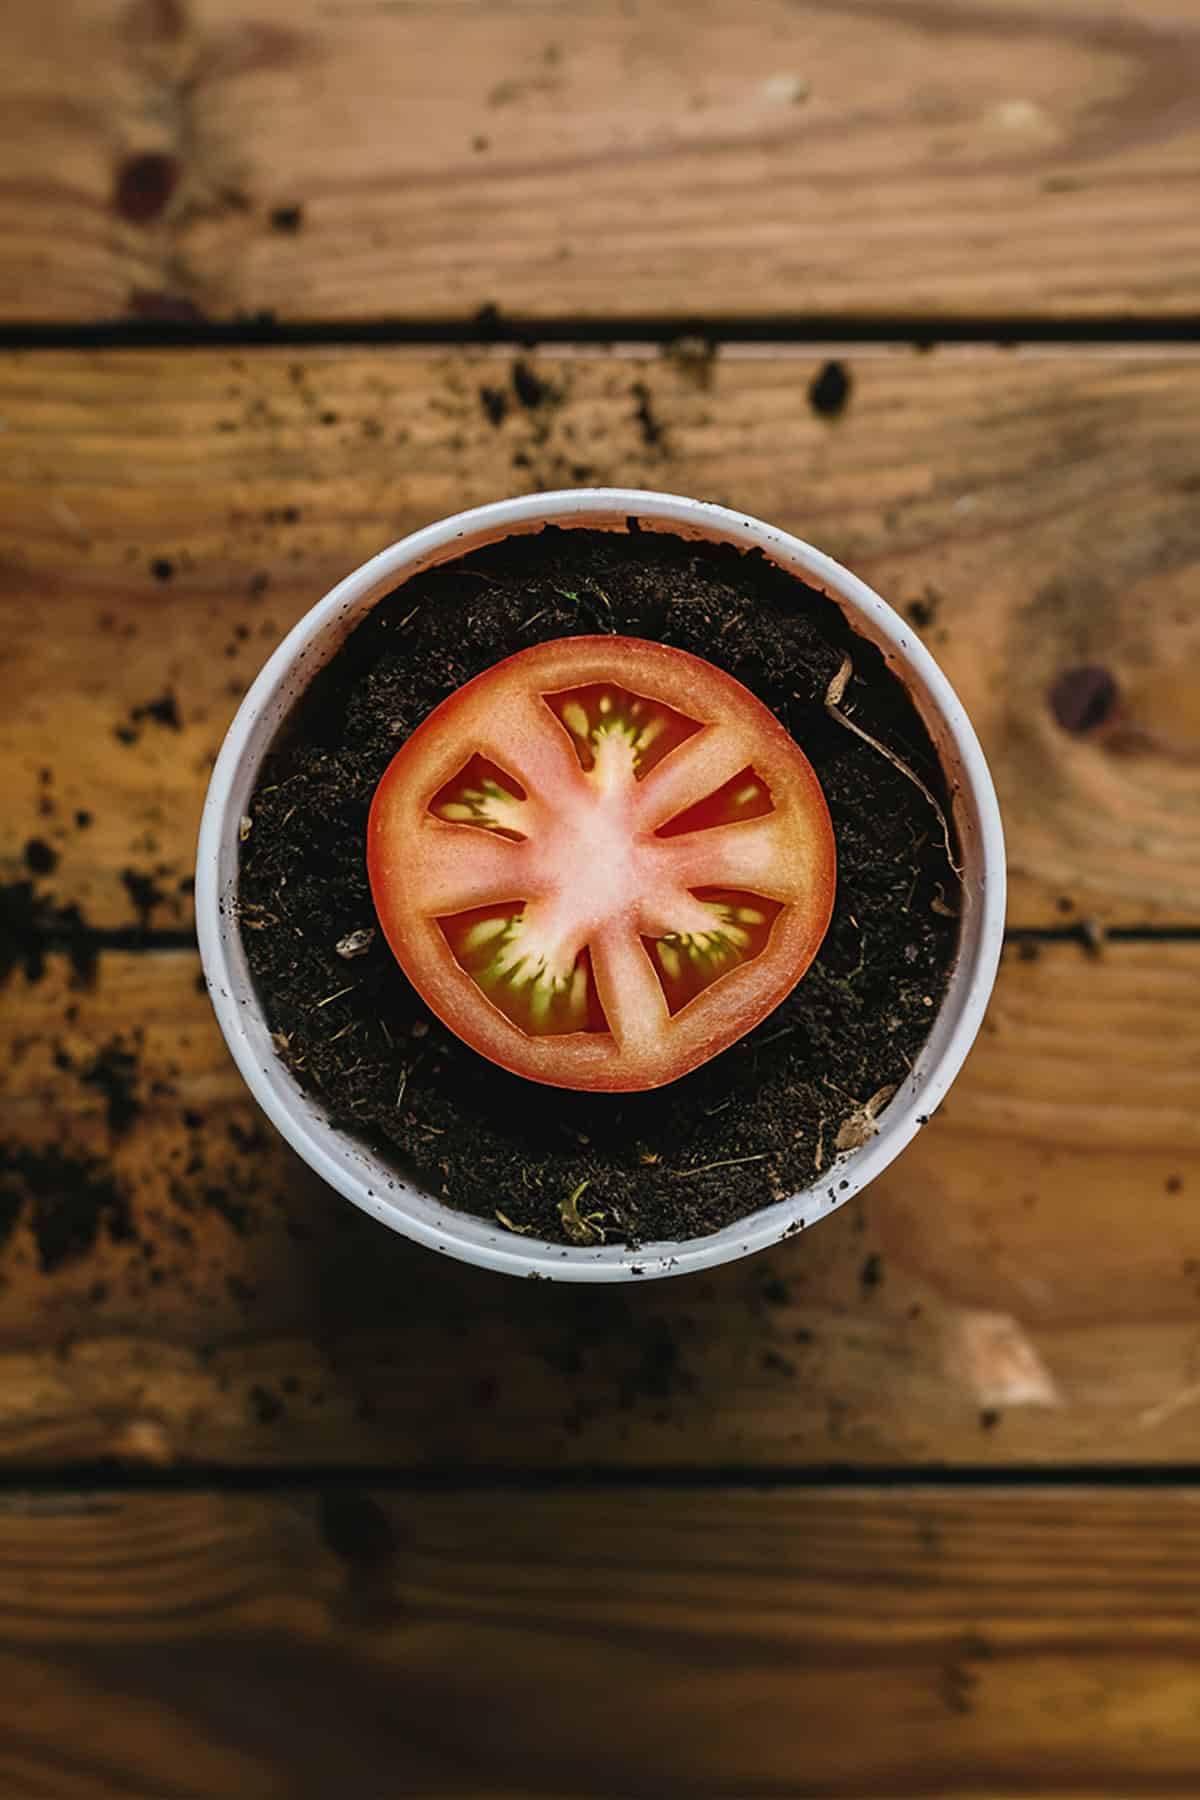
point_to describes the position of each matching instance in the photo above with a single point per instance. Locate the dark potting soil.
(753, 1125)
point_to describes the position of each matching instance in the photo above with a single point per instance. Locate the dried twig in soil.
(833, 696)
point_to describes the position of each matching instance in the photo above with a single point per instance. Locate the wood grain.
(181, 158)
(1021, 1286)
(168, 516)
(494, 1646)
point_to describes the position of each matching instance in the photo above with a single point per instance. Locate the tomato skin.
(578, 860)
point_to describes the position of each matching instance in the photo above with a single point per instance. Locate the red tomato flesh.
(601, 862)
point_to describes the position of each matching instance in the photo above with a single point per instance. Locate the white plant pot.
(366, 1178)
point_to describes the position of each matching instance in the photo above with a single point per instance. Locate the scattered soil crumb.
(162, 711)
(654, 432)
(67, 1198)
(494, 402)
(531, 389)
(114, 1074)
(871, 1274)
(32, 923)
(829, 390)
(40, 858)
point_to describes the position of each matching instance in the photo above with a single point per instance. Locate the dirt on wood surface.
(755, 1124)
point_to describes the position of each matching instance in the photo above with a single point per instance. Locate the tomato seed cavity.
(744, 796)
(499, 949)
(608, 722)
(484, 795)
(687, 962)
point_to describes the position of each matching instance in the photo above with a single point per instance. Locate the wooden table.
(289, 1508)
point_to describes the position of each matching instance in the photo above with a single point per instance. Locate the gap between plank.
(489, 326)
(113, 1478)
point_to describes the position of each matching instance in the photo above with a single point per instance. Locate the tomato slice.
(601, 862)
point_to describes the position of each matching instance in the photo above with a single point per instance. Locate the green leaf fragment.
(581, 1228)
(521, 1230)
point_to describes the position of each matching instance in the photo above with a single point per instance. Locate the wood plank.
(169, 515)
(576, 1645)
(1021, 1286)
(182, 159)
